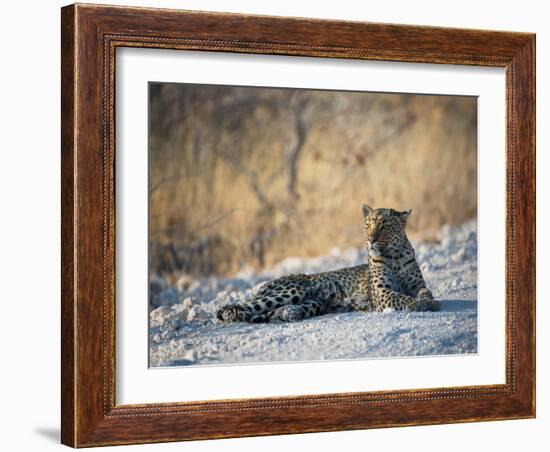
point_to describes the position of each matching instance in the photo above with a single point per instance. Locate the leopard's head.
(383, 227)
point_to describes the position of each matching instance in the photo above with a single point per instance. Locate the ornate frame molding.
(90, 37)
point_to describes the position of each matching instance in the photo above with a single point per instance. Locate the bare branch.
(299, 104)
(215, 221)
(208, 224)
(294, 155)
(169, 179)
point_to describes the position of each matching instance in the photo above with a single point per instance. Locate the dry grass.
(221, 169)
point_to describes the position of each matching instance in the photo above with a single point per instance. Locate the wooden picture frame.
(90, 36)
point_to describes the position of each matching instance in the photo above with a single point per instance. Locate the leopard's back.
(297, 296)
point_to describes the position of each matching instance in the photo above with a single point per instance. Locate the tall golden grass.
(248, 176)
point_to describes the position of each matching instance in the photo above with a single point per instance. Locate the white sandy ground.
(184, 329)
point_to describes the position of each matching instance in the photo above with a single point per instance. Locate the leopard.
(391, 280)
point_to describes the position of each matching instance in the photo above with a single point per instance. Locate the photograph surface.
(301, 225)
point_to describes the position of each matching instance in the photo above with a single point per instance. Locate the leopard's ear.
(403, 216)
(366, 210)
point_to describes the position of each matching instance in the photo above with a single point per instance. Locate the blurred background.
(243, 177)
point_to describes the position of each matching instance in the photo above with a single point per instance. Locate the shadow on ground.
(50, 433)
(458, 305)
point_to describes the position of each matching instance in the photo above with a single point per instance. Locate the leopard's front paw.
(424, 294)
(425, 301)
(233, 313)
(288, 313)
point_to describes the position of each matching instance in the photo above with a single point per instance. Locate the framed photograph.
(281, 225)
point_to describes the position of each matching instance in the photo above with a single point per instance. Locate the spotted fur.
(390, 281)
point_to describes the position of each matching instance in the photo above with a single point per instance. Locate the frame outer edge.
(86, 418)
(525, 62)
(534, 225)
(68, 242)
